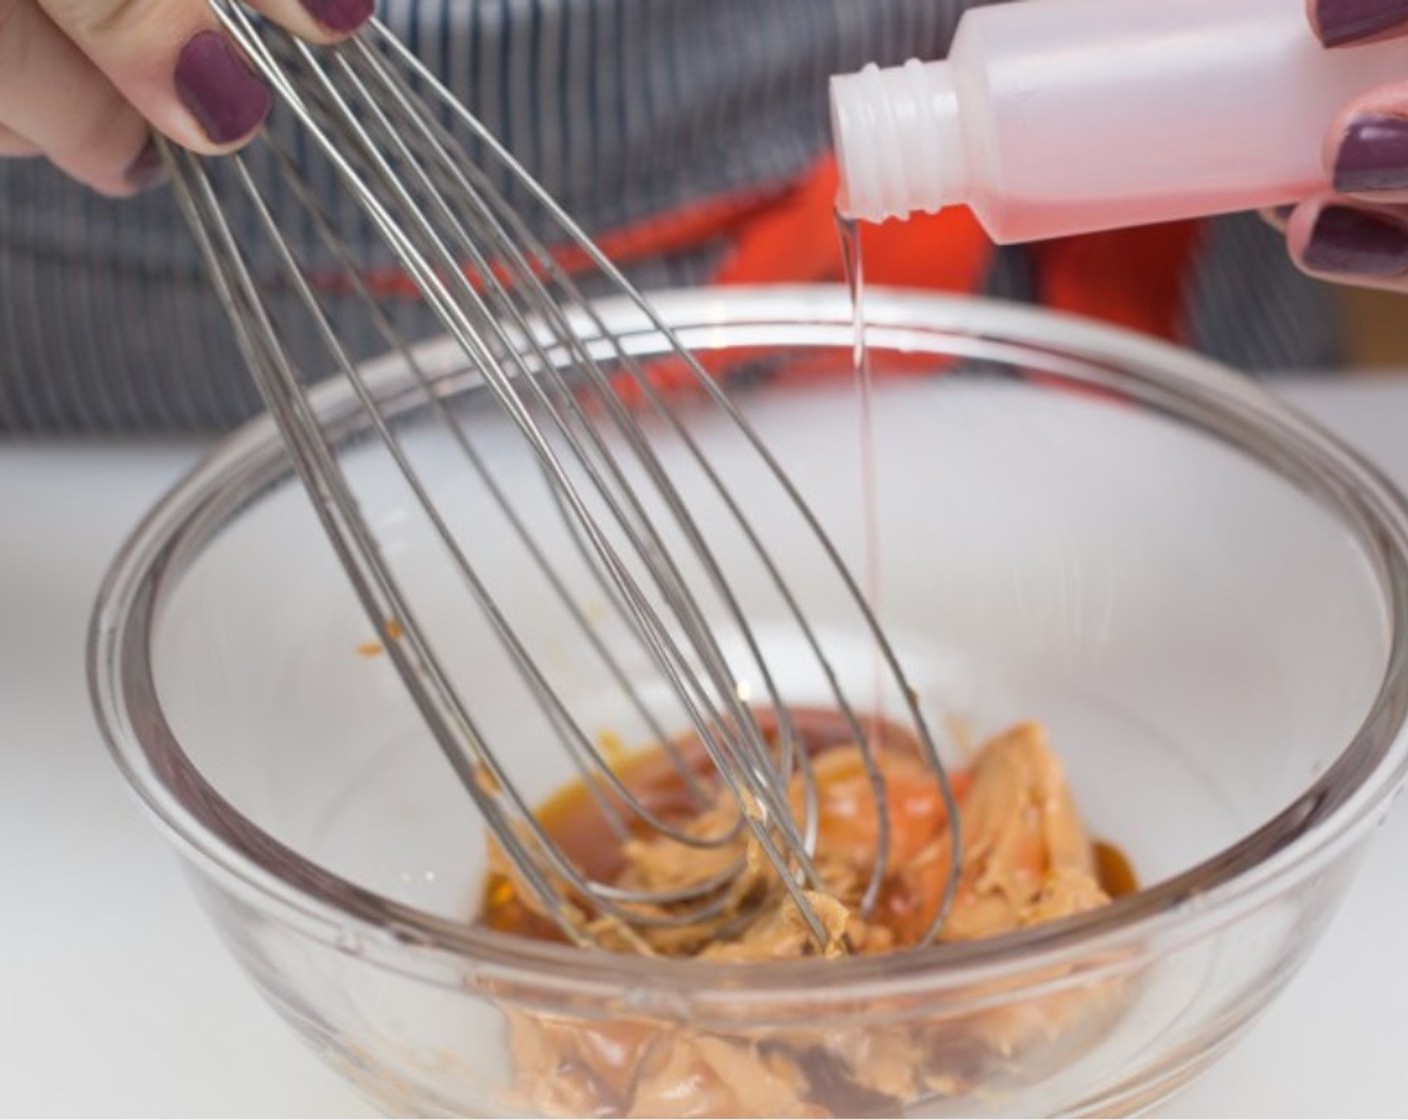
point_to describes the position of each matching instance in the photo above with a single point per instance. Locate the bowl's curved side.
(411, 1003)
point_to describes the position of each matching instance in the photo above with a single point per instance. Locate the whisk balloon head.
(637, 507)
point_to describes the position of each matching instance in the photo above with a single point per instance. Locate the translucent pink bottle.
(1055, 117)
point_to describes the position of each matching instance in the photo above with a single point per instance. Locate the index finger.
(170, 59)
(1366, 149)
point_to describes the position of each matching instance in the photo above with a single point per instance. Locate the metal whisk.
(622, 547)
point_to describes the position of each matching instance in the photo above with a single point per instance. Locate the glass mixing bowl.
(1198, 592)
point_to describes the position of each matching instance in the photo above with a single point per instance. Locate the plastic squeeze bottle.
(1057, 117)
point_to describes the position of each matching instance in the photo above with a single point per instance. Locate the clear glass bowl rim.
(1331, 815)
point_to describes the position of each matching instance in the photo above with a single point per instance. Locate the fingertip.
(319, 21)
(340, 17)
(221, 91)
(1338, 241)
(1367, 154)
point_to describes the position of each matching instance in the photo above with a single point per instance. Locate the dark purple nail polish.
(1357, 243)
(1373, 155)
(220, 89)
(1347, 21)
(147, 170)
(340, 15)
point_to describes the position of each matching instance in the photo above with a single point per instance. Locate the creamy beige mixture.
(1027, 859)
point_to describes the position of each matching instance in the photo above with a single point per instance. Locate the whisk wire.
(599, 770)
(677, 589)
(478, 768)
(522, 820)
(384, 125)
(349, 535)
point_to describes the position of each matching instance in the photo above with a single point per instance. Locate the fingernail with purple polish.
(148, 169)
(219, 88)
(340, 15)
(1373, 156)
(1346, 21)
(1356, 243)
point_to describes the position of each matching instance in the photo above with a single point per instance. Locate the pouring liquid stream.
(852, 263)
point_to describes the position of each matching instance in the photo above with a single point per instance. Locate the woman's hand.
(84, 81)
(1358, 234)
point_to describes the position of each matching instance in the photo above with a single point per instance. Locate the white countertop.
(117, 998)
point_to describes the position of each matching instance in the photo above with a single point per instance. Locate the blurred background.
(1376, 330)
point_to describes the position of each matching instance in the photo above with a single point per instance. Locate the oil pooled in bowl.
(1027, 803)
(1027, 860)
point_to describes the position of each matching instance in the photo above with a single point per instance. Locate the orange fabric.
(678, 230)
(1132, 278)
(675, 231)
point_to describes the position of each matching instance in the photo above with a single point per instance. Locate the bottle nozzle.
(899, 145)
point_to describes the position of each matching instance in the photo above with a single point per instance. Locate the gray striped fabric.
(623, 108)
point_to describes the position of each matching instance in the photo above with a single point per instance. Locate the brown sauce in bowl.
(574, 820)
